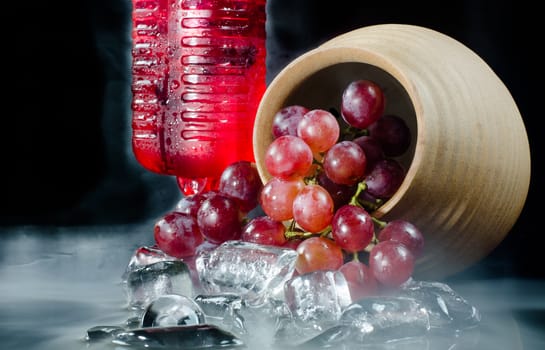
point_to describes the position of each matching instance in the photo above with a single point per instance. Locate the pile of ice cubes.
(246, 295)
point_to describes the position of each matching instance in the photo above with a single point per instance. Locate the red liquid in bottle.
(198, 76)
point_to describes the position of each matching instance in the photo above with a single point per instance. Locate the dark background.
(66, 144)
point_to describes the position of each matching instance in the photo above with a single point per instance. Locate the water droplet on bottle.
(175, 84)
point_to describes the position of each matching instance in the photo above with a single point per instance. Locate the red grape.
(392, 133)
(277, 196)
(352, 228)
(313, 208)
(288, 157)
(318, 253)
(177, 234)
(241, 181)
(345, 163)
(361, 281)
(286, 120)
(404, 232)
(219, 219)
(385, 178)
(392, 263)
(190, 204)
(372, 149)
(264, 230)
(362, 103)
(341, 194)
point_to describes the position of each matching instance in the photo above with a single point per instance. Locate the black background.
(66, 122)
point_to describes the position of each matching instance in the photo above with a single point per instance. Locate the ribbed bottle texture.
(198, 76)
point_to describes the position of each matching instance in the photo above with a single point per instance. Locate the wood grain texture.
(468, 170)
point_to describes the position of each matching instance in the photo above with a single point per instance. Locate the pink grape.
(177, 234)
(392, 263)
(319, 129)
(219, 219)
(352, 228)
(313, 208)
(405, 232)
(240, 181)
(392, 133)
(288, 157)
(361, 281)
(277, 196)
(318, 253)
(285, 121)
(362, 103)
(264, 230)
(345, 163)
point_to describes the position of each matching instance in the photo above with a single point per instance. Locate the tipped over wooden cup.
(468, 167)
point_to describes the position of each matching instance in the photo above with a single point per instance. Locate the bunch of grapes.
(329, 171)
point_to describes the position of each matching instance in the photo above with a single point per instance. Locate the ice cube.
(317, 299)
(223, 310)
(289, 334)
(253, 271)
(147, 283)
(385, 318)
(172, 310)
(143, 256)
(447, 309)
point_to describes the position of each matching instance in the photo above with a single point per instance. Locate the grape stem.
(294, 233)
(362, 186)
(367, 205)
(297, 234)
(380, 223)
(370, 206)
(351, 133)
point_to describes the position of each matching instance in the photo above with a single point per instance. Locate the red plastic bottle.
(198, 70)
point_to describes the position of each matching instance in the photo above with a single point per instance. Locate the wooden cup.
(468, 168)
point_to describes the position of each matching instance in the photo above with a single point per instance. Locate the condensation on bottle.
(198, 75)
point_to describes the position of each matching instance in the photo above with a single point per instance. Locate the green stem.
(362, 186)
(370, 206)
(381, 224)
(292, 225)
(245, 221)
(350, 133)
(297, 235)
(325, 231)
